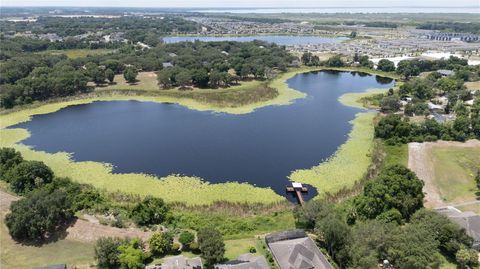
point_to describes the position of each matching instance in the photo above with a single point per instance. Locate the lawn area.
(454, 169)
(77, 53)
(19, 256)
(397, 154)
(234, 248)
(146, 81)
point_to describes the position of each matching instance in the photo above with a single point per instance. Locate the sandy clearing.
(419, 161)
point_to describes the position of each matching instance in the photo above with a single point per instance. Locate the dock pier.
(298, 189)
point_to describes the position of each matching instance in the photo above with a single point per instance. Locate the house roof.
(181, 262)
(294, 249)
(445, 72)
(245, 261)
(467, 220)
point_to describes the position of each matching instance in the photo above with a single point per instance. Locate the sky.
(244, 3)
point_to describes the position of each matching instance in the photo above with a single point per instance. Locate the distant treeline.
(76, 26)
(459, 27)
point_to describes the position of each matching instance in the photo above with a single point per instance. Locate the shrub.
(160, 243)
(186, 238)
(252, 250)
(150, 211)
(106, 252)
(176, 247)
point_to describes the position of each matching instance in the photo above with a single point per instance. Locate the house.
(171, 54)
(467, 220)
(446, 73)
(433, 106)
(245, 261)
(178, 262)
(294, 249)
(55, 266)
(167, 65)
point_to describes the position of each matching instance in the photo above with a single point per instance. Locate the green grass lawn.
(455, 169)
(14, 255)
(397, 154)
(234, 248)
(77, 53)
(146, 81)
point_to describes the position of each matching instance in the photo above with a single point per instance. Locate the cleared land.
(474, 85)
(329, 176)
(78, 53)
(448, 170)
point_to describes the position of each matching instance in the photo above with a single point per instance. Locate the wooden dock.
(298, 189)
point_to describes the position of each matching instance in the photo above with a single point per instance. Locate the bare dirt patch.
(421, 161)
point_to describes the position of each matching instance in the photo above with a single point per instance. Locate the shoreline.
(176, 188)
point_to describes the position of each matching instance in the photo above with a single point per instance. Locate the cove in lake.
(277, 39)
(262, 147)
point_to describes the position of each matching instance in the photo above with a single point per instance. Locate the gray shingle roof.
(467, 220)
(295, 250)
(245, 261)
(181, 262)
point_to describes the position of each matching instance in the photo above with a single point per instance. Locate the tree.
(335, 233)
(307, 215)
(450, 236)
(386, 65)
(335, 61)
(130, 74)
(200, 77)
(413, 247)
(150, 211)
(467, 258)
(96, 74)
(29, 175)
(161, 243)
(211, 245)
(183, 78)
(9, 158)
(396, 187)
(110, 75)
(186, 238)
(107, 252)
(39, 215)
(390, 104)
(131, 254)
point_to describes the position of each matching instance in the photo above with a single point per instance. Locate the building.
(467, 220)
(294, 249)
(245, 261)
(167, 65)
(445, 73)
(179, 262)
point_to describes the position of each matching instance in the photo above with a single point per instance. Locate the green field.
(77, 53)
(455, 169)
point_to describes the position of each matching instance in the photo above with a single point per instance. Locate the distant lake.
(277, 39)
(261, 148)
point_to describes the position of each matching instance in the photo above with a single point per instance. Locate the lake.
(262, 147)
(277, 39)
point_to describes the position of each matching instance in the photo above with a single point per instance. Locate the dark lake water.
(261, 148)
(277, 39)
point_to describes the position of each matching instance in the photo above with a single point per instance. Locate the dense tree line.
(133, 26)
(387, 221)
(458, 27)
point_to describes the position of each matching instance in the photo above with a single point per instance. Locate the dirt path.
(419, 161)
(84, 230)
